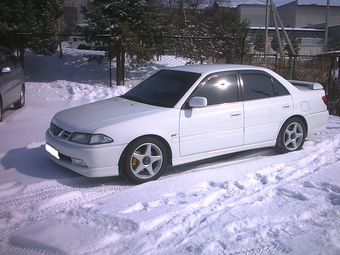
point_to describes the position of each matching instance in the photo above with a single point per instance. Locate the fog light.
(79, 162)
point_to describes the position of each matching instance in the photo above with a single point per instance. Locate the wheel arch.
(299, 117)
(161, 139)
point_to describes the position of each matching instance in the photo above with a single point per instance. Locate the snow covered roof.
(251, 2)
(232, 4)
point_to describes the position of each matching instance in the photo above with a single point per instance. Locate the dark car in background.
(12, 82)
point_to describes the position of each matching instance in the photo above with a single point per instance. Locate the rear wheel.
(291, 136)
(21, 101)
(144, 160)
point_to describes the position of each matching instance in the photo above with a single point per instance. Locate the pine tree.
(215, 35)
(333, 44)
(29, 24)
(259, 41)
(295, 42)
(275, 44)
(138, 24)
(231, 33)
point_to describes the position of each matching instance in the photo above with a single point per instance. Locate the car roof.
(4, 48)
(209, 68)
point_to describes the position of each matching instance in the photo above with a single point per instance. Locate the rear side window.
(259, 86)
(219, 89)
(7, 59)
(279, 89)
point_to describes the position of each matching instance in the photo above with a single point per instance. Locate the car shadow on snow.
(9, 111)
(34, 162)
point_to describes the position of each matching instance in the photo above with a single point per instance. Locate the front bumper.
(100, 160)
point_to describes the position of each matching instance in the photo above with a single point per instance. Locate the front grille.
(64, 135)
(59, 132)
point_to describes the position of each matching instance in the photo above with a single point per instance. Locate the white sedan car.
(185, 114)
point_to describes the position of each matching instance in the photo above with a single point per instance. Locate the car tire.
(144, 160)
(291, 136)
(19, 104)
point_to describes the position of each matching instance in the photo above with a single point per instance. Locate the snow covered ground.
(255, 202)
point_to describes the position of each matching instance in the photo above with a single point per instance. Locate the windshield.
(164, 88)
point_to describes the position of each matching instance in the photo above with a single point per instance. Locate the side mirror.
(198, 102)
(5, 70)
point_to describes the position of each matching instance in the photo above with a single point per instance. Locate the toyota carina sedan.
(185, 114)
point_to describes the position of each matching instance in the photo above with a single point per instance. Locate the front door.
(217, 126)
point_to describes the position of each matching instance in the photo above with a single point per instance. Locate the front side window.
(219, 89)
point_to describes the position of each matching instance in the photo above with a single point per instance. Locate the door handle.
(235, 114)
(286, 106)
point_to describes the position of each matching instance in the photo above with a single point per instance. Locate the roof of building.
(234, 4)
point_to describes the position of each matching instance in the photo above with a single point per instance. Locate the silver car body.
(11, 79)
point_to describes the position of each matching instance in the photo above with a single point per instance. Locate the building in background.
(295, 15)
(72, 11)
(307, 21)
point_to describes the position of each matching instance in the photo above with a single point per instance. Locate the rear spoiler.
(311, 85)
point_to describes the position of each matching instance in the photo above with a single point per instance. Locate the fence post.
(110, 59)
(290, 71)
(120, 62)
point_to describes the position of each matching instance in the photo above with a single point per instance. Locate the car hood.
(89, 117)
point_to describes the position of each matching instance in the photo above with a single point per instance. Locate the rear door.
(267, 103)
(218, 125)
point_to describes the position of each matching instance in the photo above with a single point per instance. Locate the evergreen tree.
(259, 41)
(29, 24)
(138, 25)
(333, 44)
(231, 34)
(218, 35)
(275, 44)
(295, 42)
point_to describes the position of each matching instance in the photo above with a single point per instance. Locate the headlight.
(91, 139)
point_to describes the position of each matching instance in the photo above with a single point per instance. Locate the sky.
(253, 202)
(319, 2)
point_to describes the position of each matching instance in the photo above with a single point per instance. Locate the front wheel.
(144, 160)
(21, 103)
(291, 136)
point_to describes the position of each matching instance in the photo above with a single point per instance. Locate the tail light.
(324, 99)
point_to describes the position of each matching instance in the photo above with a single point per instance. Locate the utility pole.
(326, 26)
(282, 27)
(266, 33)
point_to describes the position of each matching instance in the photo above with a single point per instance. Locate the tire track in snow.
(25, 204)
(201, 212)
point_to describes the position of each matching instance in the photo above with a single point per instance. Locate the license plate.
(52, 151)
